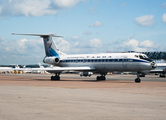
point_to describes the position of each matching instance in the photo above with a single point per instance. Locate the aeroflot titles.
(88, 57)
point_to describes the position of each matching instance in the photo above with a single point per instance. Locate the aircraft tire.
(162, 75)
(100, 78)
(137, 80)
(54, 78)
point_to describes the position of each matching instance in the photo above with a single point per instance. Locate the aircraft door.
(124, 62)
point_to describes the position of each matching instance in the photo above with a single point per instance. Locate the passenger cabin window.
(136, 56)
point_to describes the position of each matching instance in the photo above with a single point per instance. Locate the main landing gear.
(162, 75)
(102, 77)
(138, 80)
(56, 77)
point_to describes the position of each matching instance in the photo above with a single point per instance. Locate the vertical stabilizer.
(50, 47)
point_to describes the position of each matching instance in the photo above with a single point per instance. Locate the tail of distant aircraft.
(50, 47)
(40, 65)
(16, 66)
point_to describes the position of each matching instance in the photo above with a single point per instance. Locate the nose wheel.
(138, 80)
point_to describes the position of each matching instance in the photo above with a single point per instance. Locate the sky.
(87, 26)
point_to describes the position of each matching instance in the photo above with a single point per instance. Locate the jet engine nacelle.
(85, 74)
(51, 60)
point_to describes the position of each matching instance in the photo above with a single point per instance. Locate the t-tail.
(53, 55)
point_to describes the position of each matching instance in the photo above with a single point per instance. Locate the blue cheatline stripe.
(104, 60)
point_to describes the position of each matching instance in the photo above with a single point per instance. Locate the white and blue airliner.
(101, 63)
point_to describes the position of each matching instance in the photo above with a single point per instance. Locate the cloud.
(35, 7)
(147, 20)
(75, 37)
(123, 4)
(134, 45)
(95, 43)
(66, 3)
(27, 51)
(91, 46)
(87, 33)
(96, 24)
(163, 5)
(23, 51)
(62, 45)
(164, 17)
(92, 10)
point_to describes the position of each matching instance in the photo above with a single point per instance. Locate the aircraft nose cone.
(153, 65)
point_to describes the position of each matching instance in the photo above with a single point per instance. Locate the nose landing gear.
(138, 80)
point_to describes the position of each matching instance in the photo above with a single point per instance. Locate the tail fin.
(16, 66)
(40, 65)
(50, 47)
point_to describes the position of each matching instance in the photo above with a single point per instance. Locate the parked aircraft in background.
(5, 70)
(161, 69)
(39, 71)
(17, 70)
(26, 70)
(101, 63)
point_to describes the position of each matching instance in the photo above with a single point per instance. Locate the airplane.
(161, 68)
(16, 69)
(101, 63)
(31, 70)
(26, 70)
(5, 70)
(39, 71)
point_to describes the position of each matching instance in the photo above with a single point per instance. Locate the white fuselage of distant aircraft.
(161, 68)
(101, 63)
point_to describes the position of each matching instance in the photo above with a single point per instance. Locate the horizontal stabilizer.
(41, 35)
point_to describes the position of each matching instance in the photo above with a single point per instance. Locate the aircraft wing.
(157, 71)
(60, 69)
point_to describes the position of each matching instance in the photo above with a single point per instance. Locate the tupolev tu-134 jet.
(101, 63)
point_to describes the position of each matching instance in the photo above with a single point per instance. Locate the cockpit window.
(144, 57)
(140, 56)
